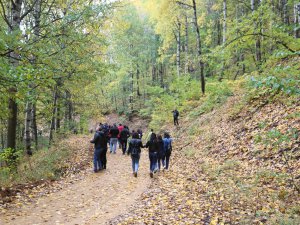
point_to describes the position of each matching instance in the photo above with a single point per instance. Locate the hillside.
(238, 164)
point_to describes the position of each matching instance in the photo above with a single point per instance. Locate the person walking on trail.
(134, 150)
(167, 149)
(175, 117)
(120, 128)
(114, 132)
(100, 143)
(149, 135)
(124, 135)
(152, 145)
(161, 153)
(140, 133)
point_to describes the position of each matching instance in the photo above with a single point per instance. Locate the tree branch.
(184, 4)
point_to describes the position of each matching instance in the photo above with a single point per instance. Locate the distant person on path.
(124, 135)
(140, 133)
(114, 132)
(152, 145)
(100, 143)
(134, 150)
(175, 116)
(161, 152)
(149, 135)
(167, 148)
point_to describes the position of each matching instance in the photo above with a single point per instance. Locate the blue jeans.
(113, 144)
(161, 161)
(153, 161)
(97, 159)
(135, 164)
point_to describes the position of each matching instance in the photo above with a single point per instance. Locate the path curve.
(93, 198)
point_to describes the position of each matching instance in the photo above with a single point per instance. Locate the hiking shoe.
(151, 174)
(135, 174)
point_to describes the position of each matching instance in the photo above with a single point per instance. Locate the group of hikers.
(159, 147)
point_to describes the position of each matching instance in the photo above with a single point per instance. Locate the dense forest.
(65, 63)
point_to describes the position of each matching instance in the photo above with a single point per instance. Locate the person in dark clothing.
(100, 143)
(134, 150)
(175, 116)
(114, 132)
(152, 146)
(161, 152)
(124, 135)
(140, 133)
(167, 148)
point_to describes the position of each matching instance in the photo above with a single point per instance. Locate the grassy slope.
(228, 169)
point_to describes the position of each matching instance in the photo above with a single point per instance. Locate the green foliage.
(10, 157)
(217, 93)
(272, 84)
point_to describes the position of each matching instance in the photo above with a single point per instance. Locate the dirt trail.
(93, 198)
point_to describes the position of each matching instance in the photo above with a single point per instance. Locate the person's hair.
(166, 135)
(159, 137)
(153, 137)
(135, 135)
(151, 130)
(120, 124)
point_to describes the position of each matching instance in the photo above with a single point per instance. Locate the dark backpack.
(135, 150)
(168, 147)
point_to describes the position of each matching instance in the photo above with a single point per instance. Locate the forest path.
(88, 198)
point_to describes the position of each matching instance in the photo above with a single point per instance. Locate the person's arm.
(147, 144)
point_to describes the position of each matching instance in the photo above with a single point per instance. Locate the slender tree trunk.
(224, 20)
(186, 47)
(178, 42)
(285, 12)
(258, 53)
(161, 75)
(28, 122)
(199, 50)
(297, 20)
(53, 120)
(34, 126)
(138, 80)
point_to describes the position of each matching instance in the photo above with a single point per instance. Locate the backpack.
(169, 147)
(135, 150)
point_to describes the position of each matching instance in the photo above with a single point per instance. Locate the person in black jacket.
(100, 143)
(124, 135)
(134, 150)
(161, 152)
(114, 132)
(175, 116)
(152, 145)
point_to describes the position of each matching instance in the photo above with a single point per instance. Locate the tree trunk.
(52, 127)
(161, 75)
(12, 120)
(186, 47)
(28, 122)
(15, 22)
(285, 12)
(178, 42)
(224, 20)
(199, 51)
(34, 126)
(138, 80)
(297, 20)
(258, 54)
